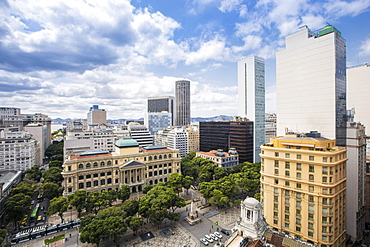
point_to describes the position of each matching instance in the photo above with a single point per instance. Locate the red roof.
(78, 157)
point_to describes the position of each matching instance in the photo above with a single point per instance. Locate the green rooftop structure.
(126, 142)
(329, 29)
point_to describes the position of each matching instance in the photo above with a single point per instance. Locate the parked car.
(213, 237)
(219, 235)
(204, 241)
(209, 238)
(226, 232)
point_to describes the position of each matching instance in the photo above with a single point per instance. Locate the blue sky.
(61, 57)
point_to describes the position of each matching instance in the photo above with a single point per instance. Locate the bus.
(34, 212)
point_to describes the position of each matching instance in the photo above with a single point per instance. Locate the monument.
(193, 217)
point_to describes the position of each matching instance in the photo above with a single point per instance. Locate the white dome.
(251, 202)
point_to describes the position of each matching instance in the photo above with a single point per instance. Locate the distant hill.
(210, 119)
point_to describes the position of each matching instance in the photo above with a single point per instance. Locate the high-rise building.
(224, 135)
(270, 126)
(162, 104)
(182, 95)
(251, 97)
(193, 138)
(311, 83)
(40, 133)
(358, 86)
(178, 140)
(96, 116)
(303, 188)
(158, 121)
(141, 134)
(160, 114)
(356, 175)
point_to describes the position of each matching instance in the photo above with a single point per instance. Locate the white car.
(219, 235)
(213, 237)
(204, 241)
(209, 238)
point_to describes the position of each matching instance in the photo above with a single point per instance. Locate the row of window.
(311, 168)
(299, 156)
(159, 166)
(156, 173)
(95, 175)
(95, 183)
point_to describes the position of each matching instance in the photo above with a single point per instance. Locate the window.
(276, 215)
(287, 165)
(96, 183)
(287, 193)
(88, 184)
(299, 175)
(276, 163)
(287, 173)
(276, 181)
(150, 174)
(116, 180)
(276, 154)
(286, 209)
(298, 195)
(88, 176)
(275, 222)
(80, 166)
(312, 168)
(324, 159)
(95, 164)
(310, 234)
(310, 226)
(310, 199)
(155, 166)
(298, 147)
(299, 186)
(311, 188)
(286, 217)
(155, 173)
(276, 191)
(310, 208)
(325, 191)
(311, 177)
(310, 217)
(299, 167)
(276, 199)
(150, 167)
(69, 168)
(299, 156)
(109, 181)
(109, 173)
(102, 182)
(102, 164)
(286, 225)
(165, 171)
(287, 201)
(81, 185)
(287, 183)
(297, 228)
(298, 204)
(324, 179)
(275, 207)
(109, 163)
(298, 212)
(102, 174)
(325, 201)
(324, 170)
(69, 190)
(298, 221)
(287, 155)
(311, 158)
(69, 180)
(80, 177)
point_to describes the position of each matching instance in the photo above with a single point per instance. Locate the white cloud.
(251, 42)
(214, 49)
(365, 47)
(229, 5)
(342, 8)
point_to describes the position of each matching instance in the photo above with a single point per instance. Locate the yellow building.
(303, 188)
(129, 164)
(193, 138)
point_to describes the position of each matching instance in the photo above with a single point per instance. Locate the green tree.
(56, 163)
(109, 196)
(219, 198)
(186, 182)
(86, 220)
(131, 207)
(58, 157)
(136, 223)
(58, 205)
(16, 206)
(147, 188)
(95, 201)
(94, 232)
(34, 173)
(23, 188)
(53, 175)
(124, 193)
(78, 200)
(2, 235)
(220, 172)
(176, 181)
(51, 190)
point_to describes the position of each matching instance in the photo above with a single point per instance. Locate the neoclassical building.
(129, 164)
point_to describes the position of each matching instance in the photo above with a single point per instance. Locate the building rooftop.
(126, 142)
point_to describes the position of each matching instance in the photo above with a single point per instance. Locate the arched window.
(151, 182)
(144, 158)
(170, 156)
(109, 163)
(156, 181)
(155, 157)
(95, 164)
(165, 156)
(80, 166)
(160, 157)
(88, 165)
(150, 158)
(102, 164)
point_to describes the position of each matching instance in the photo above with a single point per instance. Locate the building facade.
(221, 158)
(41, 134)
(193, 138)
(357, 97)
(96, 116)
(141, 134)
(251, 98)
(356, 176)
(18, 151)
(182, 95)
(270, 126)
(303, 188)
(162, 104)
(178, 139)
(127, 165)
(224, 135)
(157, 121)
(311, 83)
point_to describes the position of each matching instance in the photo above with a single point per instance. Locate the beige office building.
(303, 188)
(129, 164)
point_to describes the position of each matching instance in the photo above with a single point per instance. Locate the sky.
(61, 57)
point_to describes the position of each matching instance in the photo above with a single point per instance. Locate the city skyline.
(117, 54)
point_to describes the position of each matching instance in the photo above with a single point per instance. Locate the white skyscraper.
(311, 84)
(251, 97)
